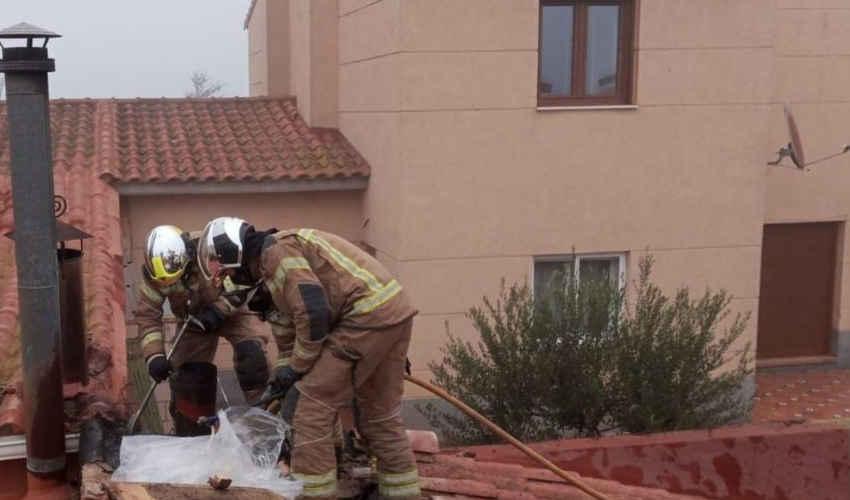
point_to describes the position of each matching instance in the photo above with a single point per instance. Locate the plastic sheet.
(245, 449)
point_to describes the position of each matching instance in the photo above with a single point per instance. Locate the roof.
(93, 207)
(216, 140)
(99, 145)
(249, 14)
(26, 30)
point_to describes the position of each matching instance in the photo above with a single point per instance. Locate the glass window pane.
(545, 272)
(603, 40)
(556, 50)
(599, 269)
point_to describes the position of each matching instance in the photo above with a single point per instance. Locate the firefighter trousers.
(245, 333)
(369, 366)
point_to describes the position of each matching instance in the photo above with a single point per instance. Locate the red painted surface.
(764, 462)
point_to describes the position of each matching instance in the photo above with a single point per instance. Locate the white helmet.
(221, 246)
(166, 254)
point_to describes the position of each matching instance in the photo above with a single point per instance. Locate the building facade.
(504, 136)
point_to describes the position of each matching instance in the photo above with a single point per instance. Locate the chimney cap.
(26, 30)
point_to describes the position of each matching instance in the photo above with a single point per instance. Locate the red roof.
(93, 207)
(98, 144)
(214, 140)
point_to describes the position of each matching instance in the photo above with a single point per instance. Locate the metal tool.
(131, 426)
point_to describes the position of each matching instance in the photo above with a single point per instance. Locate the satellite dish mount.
(794, 149)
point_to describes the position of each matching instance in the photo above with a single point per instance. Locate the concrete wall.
(269, 49)
(812, 58)
(471, 181)
(739, 463)
(313, 58)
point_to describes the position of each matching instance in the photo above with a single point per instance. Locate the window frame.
(625, 55)
(576, 260)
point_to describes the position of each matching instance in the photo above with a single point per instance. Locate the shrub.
(670, 351)
(576, 361)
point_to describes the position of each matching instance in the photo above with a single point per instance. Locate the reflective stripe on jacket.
(318, 280)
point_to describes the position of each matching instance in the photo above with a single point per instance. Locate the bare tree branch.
(203, 85)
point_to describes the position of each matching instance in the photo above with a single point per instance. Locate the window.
(585, 52)
(590, 267)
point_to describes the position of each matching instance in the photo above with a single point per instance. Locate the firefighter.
(343, 327)
(170, 273)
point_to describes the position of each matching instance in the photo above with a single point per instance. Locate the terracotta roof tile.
(93, 207)
(215, 140)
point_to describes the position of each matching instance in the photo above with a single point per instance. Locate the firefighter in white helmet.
(170, 273)
(343, 329)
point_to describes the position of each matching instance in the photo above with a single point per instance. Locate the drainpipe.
(28, 118)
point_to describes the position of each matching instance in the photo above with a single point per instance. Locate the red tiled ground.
(813, 395)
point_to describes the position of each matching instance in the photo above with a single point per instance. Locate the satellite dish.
(794, 149)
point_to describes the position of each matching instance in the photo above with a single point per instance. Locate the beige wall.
(470, 181)
(813, 76)
(313, 51)
(269, 49)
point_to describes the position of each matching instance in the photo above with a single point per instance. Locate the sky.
(139, 48)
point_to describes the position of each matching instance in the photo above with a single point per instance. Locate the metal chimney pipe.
(28, 118)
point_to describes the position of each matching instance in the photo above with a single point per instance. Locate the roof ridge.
(106, 148)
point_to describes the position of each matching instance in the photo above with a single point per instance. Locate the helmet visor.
(220, 247)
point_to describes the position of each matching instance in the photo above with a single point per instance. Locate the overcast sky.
(138, 48)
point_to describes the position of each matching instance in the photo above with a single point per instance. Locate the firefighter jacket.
(187, 295)
(318, 281)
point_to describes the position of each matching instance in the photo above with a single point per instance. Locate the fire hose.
(570, 478)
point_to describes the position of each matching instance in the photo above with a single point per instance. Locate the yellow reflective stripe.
(151, 337)
(304, 353)
(377, 299)
(281, 363)
(228, 284)
(280, 275)
(326, 490)
(151, 293)
(400, 478)
(317, 484)
(346, 263)
(290, 263)
(407, 490)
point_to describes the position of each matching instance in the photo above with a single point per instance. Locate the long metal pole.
(35, 250)
(131, 425)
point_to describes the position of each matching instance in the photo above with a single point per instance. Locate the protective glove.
(208, 318)
(159, 367)
(284, 380)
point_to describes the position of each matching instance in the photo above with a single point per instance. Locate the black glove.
(284, 380)
(159, 367)
(261, 303)
(209, 318)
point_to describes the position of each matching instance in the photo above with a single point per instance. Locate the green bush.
(667, 361)
(577, 361)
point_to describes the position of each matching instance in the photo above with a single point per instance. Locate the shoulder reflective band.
(381, 293)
